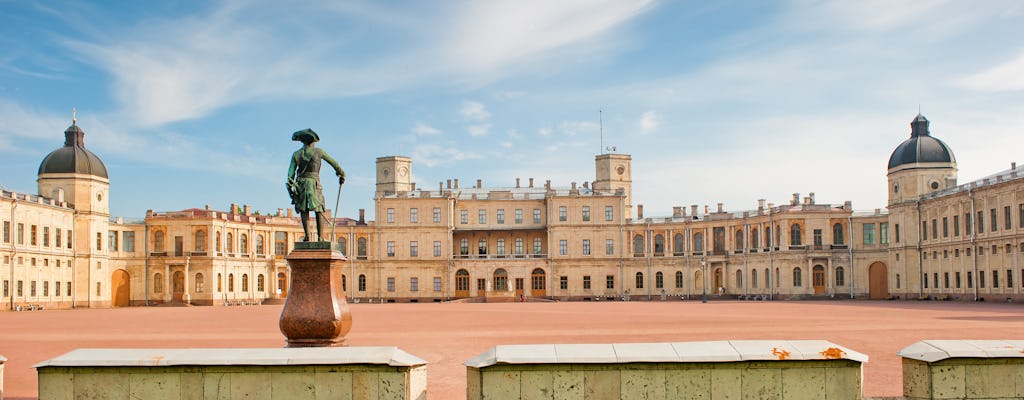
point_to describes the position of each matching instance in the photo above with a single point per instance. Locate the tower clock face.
(620, 169)
(403, 171)
(385, 172)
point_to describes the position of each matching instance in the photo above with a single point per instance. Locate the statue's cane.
(334, 217)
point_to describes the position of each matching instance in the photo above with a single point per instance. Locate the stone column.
(186, 298)
(168, 289)
(315, 313)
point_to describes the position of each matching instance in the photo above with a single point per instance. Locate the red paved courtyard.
(447, 335)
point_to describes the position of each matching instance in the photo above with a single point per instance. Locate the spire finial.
(74, 116)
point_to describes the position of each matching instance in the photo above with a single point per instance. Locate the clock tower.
(394, 174)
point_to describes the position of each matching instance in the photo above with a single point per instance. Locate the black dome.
(921, 147)
(73, 158)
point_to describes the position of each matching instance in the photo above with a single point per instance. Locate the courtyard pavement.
(448, 334)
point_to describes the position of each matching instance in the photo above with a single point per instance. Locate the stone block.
(96, 383)
(601, 385)
(58, 384)
(841, 383)
(995, 379)
(568, 384)
(803, 383)
(364, 385)
(191, 385)
(643, 384)
(298, 385)
(537, 385)
(501, 385)
(154, 385)
(726, 384)
(762, 383)
(217, 386)
(391, 385)
(947, 381)
(688, 384)
(254, 386)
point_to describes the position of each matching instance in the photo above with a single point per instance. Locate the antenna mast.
(600, 124)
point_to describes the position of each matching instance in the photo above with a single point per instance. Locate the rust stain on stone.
(780, 353)
(832, 353)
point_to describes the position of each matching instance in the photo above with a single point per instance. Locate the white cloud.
(545, 131)
(649, 122)
(479, 130)
(1006, 77)
(505, 144)
(432, 155)
(474, 111)
(421, 129)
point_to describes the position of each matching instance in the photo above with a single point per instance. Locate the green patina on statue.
(304, 180)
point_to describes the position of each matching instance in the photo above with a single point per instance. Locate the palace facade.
(938, 239)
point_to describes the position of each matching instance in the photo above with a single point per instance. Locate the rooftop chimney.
(479, 183)
(531, 182)
(812, 197)
(586, 185)
(720, 207)
(639, 211)
(547, 184)
(234, 207)
(796, 199)
(677, 212)
(413, 188)
(707, 210)
(440, 187)
(248, 210)
(848, 205)
(760, 205)
(693, 210)
(290, 214)
(362, 215)
(207, 207)
(449, 183)
(574, 186)
(517, 183)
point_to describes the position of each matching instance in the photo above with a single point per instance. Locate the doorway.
(537, 287)
(878, 281)
(461, 283)
(178, 285)
(818, 278)
(120, 286)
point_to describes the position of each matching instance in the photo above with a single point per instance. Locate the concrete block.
(947, 381)
(391, 386)
(568, 384)
(190, 382)
(57, 384)
(643, 384)
(726, 383)
(841, 383)
(803, 383)
(298, 385)
(154, 385)
(417, 382)
(474, 391)
(250, 386)
(217, 386)
(364, 385)
(601, 385)
(501, 385)
(995, 380)
(91, 383)
(762, 383)
(537, 385)
(688, 384)
(917, 379)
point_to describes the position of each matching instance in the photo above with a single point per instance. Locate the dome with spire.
(73, 158)
(921, 147)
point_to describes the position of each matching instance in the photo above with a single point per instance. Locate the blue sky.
(193, 103)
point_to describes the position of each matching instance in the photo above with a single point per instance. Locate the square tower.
(394, 174)
(614, 173)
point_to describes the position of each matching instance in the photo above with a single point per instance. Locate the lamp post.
(704, 277)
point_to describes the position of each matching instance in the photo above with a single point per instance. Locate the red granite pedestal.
(315, 312)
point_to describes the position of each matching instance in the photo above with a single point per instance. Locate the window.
(46, 288)
(99, 241)
(956, 279)
(437, 214)
(362, 282)
(245, 282)
(753, 240)
(981, 279)
(112, 240)
(679, 279)
(220, 283)
(414, 249)
(56, 238)
(563, 247)
(638, 245)
(659, 280)
(281, 243)
(981, 223)
(698, 242)
(68, 284)
(1020, 215)
(231, 282)
(609, 212)
(924, 230)
(464, 216)
(994, 224)
(7, 288)
(414, 215)
(391, 215)
(563, 282)
(437, 248)
(639, 280)
(840, 276)
(586, 213)
(7, 230)
(794, 235)
(753, 278)
(609, 282)
(127, 241)
(481, 285)
(659, 245)
(500, 217)
(46, 235)
(99, 288)
(970, 280)
(1009, 278)
(883, 233)
(21, 288)
(586, 282)
(678, 246)
(414, 284)
(536, 215)
(391, 248)
(343, 245)
(21, 233)
(945, 226)
(586, 247)
(537, 247)
(519, 246)
(869, 233)
(481, 246)
(817, 238)
(344, 283)
(391, 284)
(1007, 224)
(361, 248)
(897, 227)
(33, 234)
(935, 229)
(956, 225)
(201, 283)
(500, 280)
(945, 279)
(995, 279)
(481, 216)
(562, 213)
(437, 283)
(519, 215)
(609, 247)
(798, 279)
(259, 244)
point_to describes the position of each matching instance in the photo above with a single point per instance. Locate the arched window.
(464, 247)
(200, 283)
(678, 246)
(698, 242)
(200, 241)
(343, 245)
(659, 245)
(500, 282)
(840, 276)
(245, 282)
(753, 278)
(794, 235)
(537, 278)
(638, 245)
(158, 241)
(739, 279)
(639, 280)
(767, 278)
(261, 282)
(231, 280)
(679, 279)
(218, 244)
(754, 239)
(220, 283)
(462, 280)
(361, 247)
(362, 283)
(659, 280)
(158, 283)
(229, 243)
(259, 244)
(837, 234)
(243, 244)
(768, 237)
(739, 239)
(798, 279)
(481, 247)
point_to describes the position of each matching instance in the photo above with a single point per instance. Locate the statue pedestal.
(315, 312)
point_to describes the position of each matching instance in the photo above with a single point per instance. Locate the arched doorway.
(698, 280)
(178, 285)
(537, 287)
(500, 283)
(120, 289)
(878, 280)
(818, 279)
(461, 283)
(282, 285)
(719, 282)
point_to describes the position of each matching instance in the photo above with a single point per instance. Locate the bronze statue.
(304, 180)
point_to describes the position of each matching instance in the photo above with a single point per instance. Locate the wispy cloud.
(1005, 77)
(649, 122)
(479, 130)
(433, 155)
(421, 129)
(475, 111)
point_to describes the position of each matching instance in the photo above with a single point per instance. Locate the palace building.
(588, 241)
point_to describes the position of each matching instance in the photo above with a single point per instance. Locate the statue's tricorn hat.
(306, 135)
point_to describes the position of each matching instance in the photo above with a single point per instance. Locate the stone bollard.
(2, 361)
(963, 369)
(315, 313)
